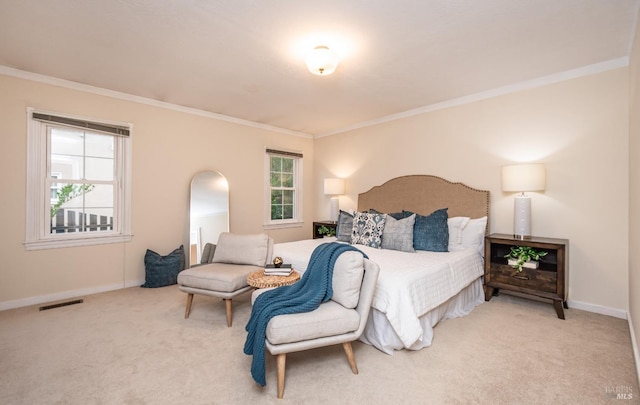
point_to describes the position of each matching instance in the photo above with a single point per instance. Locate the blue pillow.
(396, 215)
(344, 226)
(401, 215)
(161, 271)
(431, 232)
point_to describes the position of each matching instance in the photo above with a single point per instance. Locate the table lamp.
(523, 178)
(334, 187)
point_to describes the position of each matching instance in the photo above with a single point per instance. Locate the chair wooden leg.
(281, 360)
(352, 359)
(189, 302)
(229, 313)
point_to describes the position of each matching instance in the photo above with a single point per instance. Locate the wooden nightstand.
(549, 280)
(328, 224)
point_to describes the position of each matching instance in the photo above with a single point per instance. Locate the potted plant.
(524, 256)
(326, 231)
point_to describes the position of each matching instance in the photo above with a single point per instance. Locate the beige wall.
(578, 128)
(634, 188)
(169, 147)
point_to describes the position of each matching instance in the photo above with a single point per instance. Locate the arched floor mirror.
(209, 211)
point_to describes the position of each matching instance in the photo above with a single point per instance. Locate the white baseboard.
(41, 299)
(634, 345)
(134, 283)
(617, 313)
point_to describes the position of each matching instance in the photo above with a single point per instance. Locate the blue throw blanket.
(306, 295)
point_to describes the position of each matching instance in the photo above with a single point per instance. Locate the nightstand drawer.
(535, 279)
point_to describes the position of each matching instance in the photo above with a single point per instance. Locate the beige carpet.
(134, 346)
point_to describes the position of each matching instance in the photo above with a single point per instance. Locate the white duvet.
(409, 285)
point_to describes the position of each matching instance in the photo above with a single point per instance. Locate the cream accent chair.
(340, 320)
(235, 257)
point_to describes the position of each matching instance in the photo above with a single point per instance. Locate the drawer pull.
(520, 276)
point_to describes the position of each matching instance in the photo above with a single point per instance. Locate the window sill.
(283, 225)
(67, 242)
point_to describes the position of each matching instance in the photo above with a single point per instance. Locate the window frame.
(297, 219)
(38, 193)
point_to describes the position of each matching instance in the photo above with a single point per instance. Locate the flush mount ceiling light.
(322, 61)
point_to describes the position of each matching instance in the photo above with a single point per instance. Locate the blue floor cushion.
(161, 271)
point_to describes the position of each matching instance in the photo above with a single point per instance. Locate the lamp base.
(335, 209)
(522, 217)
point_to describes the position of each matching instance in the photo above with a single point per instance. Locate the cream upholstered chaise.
(341, 320)
(235, 257)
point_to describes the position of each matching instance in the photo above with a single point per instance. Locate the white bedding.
(410, 284)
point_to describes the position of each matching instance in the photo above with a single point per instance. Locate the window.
(78, 187)
(55, 187)
(283, 186)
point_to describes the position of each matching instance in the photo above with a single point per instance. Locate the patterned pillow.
(367, 229)
(431, 232)
(398, 233)
(344, 226)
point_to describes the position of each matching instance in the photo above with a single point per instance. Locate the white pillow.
(473, 234)
(348, 271)
(456, 225)
(242, 249)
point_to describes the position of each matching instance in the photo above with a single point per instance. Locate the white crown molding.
(21, 74)
(500, 91)
(526, 85)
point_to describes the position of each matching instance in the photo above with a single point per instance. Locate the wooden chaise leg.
(189, 302)
(352, 359)
(229, 313)
(281, 360)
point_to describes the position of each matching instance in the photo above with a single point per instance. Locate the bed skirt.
(381, 335)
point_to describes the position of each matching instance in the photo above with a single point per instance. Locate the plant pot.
(531, 264)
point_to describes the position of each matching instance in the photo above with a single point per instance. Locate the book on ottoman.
(283, 270)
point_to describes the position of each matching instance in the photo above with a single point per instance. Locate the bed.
(416, 290)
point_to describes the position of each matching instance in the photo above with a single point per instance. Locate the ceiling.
(245, 59)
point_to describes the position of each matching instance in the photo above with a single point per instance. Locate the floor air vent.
(61, 304)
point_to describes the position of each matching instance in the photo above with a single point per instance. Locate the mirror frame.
(208, 211)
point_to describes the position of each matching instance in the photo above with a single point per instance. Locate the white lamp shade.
(334, 186)
(526, 177)
(322, 61)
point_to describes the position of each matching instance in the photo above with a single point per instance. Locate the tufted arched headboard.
(424, 194)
